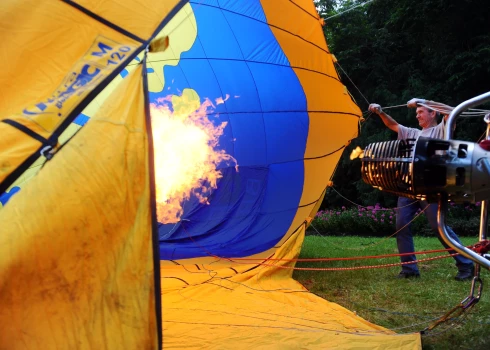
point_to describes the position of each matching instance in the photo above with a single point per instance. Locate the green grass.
(401, 305)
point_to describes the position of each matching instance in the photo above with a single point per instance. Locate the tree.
(394, 50)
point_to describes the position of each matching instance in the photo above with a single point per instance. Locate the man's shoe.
(405, 274)
(465, 275)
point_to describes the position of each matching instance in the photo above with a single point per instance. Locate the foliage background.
(376, 221)
(394, 50)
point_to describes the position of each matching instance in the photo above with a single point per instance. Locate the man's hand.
(414, 102)
(387, 120)
(375, 108)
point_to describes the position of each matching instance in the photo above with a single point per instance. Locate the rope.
(348, 10)
(347, 258)
(404, 105)
(355, 267)
(237, 260)
(289, 317)
(482, 136)
(364, 97)
(445, 109)
(424, 332)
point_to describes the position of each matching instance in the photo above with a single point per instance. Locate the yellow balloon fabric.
(55, 56)
(240, 305)
(76, 264)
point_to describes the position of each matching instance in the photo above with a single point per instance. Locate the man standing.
(407, 207)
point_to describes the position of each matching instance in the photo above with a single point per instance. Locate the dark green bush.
(376, 221)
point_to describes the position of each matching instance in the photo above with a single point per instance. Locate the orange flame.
(220, 100)
(185, 158)
(357, 153)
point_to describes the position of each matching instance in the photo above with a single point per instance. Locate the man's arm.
(390, 123)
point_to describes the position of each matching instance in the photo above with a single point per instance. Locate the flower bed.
(380, 222)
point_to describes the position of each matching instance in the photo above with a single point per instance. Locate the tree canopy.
(390, 51)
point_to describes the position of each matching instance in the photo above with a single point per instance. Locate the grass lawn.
(407, 305)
